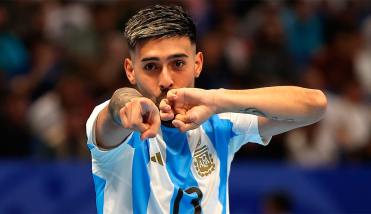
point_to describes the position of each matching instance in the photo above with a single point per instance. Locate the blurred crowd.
(58, 59)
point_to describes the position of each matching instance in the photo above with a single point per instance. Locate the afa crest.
(203, 161)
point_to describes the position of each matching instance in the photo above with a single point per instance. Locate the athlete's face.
(158, 65)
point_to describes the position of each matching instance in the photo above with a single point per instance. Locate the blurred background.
(59, 59)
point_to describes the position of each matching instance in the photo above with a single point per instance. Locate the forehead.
(163, 47)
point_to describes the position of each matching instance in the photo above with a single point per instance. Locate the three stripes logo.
(157, 159)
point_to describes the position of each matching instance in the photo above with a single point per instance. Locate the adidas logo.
(157, 158)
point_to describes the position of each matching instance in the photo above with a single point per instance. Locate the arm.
(280, 109)
(127, 111)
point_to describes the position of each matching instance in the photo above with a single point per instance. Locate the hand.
(141, 114)
(191, 107)
(166, 112)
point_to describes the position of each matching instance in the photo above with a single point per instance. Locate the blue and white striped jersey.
(173, 172)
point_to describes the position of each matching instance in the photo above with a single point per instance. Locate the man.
(166, 147)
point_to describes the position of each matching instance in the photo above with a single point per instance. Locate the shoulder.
(237, 119)
(229, 119)
(221, 123)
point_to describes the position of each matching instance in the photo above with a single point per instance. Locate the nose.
(165, 79)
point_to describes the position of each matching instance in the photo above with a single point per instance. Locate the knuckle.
(178, 116)
(127, 125)
(122, 111)
(126, 106)
(144, 100)
(193, 117)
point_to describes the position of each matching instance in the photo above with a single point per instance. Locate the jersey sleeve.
(99, 154)
(245, 130)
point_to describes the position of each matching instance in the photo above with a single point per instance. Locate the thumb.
(189, 117)
(183, 127)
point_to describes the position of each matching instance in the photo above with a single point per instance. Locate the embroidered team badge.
(203, 160)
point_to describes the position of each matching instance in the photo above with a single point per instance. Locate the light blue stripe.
(140, 177)
(178, 165)
(100, 184)
(90, 147)
(220, 132)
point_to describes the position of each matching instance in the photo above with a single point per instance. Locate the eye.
(150, 67)
(179, 64)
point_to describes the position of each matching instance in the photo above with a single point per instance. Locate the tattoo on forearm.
(289, 120)
(281, 119)
(257, 112)
(118, 100)
(253, 111)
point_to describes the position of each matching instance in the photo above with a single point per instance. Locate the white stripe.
(230, 159)
(209, 185)
(245, 126)
(161, 186)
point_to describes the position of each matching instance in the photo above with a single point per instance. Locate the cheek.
(185, 79)
(147, 85)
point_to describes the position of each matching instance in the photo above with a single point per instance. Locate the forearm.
(286, 103)
(109, 130)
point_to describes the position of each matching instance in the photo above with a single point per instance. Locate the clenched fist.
(189, 107)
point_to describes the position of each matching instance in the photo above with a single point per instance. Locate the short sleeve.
(97, 153)
(245, 129)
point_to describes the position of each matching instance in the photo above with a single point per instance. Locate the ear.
(129, 70)
(199, 60)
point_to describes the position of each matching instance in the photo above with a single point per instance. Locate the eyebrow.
(168, 58)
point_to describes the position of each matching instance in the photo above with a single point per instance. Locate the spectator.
(362, 60)
(64, 57)
(303, 30)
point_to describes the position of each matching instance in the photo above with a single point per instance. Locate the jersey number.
(195, 202)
